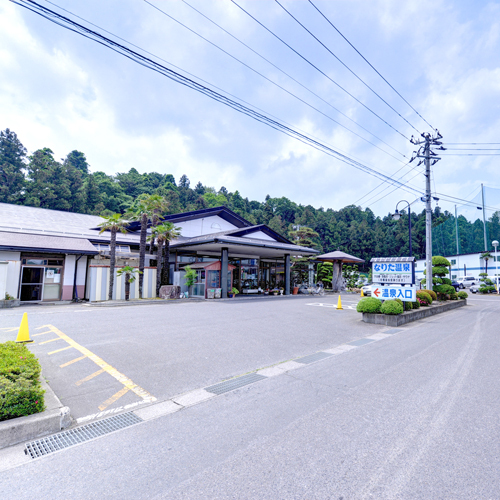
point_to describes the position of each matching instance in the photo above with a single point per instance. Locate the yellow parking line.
(113, 398)
(10, 329)
(90, 377)
(139, 391)
(43, 333)
(72, 361)
(51, 340)
(59, 350)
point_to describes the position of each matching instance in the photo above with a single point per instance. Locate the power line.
(274, 83)
(345, 65)
(369, 64)
(385, 195)
(472, 143)
(293, 79)
(382, 183)
(317, 69)
(205, 81)
(71, 25)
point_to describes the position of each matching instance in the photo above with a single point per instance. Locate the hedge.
(391, 307)
(424, 298)
(462, 295)
(369, 305)
(20, 390)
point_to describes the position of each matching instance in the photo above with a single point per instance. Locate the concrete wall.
(13, 273)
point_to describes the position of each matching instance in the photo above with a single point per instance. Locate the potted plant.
(233, 292)
(191, 276)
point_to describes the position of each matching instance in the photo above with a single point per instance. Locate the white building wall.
(206, 225)
(13, 273)
(463, 265)
(259, 235)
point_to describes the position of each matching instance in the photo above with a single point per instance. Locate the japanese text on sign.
(406, 294)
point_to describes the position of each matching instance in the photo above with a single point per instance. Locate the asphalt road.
(414, 415)
(173, 348)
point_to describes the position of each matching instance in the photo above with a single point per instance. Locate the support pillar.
(287, 274)
(224, 260)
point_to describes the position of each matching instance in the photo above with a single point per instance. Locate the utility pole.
(458, 248)
(425, 152)
(484, 220)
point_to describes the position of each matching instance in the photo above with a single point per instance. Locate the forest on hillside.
(39, 180)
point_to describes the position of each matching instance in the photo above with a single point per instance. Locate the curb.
(55, 418)
(409, 316)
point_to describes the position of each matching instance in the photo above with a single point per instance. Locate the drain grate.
(81, 434)
(360, 342)
(235, 383)
(313, 357)
(393, 330)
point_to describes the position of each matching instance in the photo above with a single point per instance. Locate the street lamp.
(495, 244)
(397, 215)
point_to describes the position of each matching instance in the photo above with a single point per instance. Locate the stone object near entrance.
(170, 292)
(9, 303)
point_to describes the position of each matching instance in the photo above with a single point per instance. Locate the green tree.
(78, 160)
(113, 224)
(12, 163)
(162, 233)
(47, 184)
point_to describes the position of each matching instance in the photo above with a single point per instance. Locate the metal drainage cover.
(81, 434)
(313, 357)
(393, 330)
(360, 342)
(235, 383)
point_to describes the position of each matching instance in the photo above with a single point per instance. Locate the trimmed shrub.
(408, 306)
(462, 295)
(424, 298)
(391, 307)
(453, 296)
(369, 305)
(416, 304)
(433, 294)
(399, 301)
(20, 390)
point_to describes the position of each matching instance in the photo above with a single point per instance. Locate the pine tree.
(12, 163)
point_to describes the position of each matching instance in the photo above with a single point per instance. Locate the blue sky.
(62, 91)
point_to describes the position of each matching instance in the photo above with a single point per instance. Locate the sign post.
(394, 278)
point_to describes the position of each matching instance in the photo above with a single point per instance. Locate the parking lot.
(102, 359)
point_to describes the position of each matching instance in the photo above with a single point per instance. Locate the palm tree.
(113, 223)
(140, 211)
(144, 209)
(157, 205)
(486, 256)
(163, 233)
(170, 234)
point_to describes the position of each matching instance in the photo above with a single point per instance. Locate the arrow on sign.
(376, 292)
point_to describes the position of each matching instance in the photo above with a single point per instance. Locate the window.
(101, 247)
(123, 248)
(453, 262)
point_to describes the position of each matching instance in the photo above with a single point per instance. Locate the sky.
(63, 91)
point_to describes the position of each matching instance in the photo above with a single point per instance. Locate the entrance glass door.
(32, 283)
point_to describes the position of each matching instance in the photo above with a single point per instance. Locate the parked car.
(456, 285)
(467, 281)
(367, 290)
